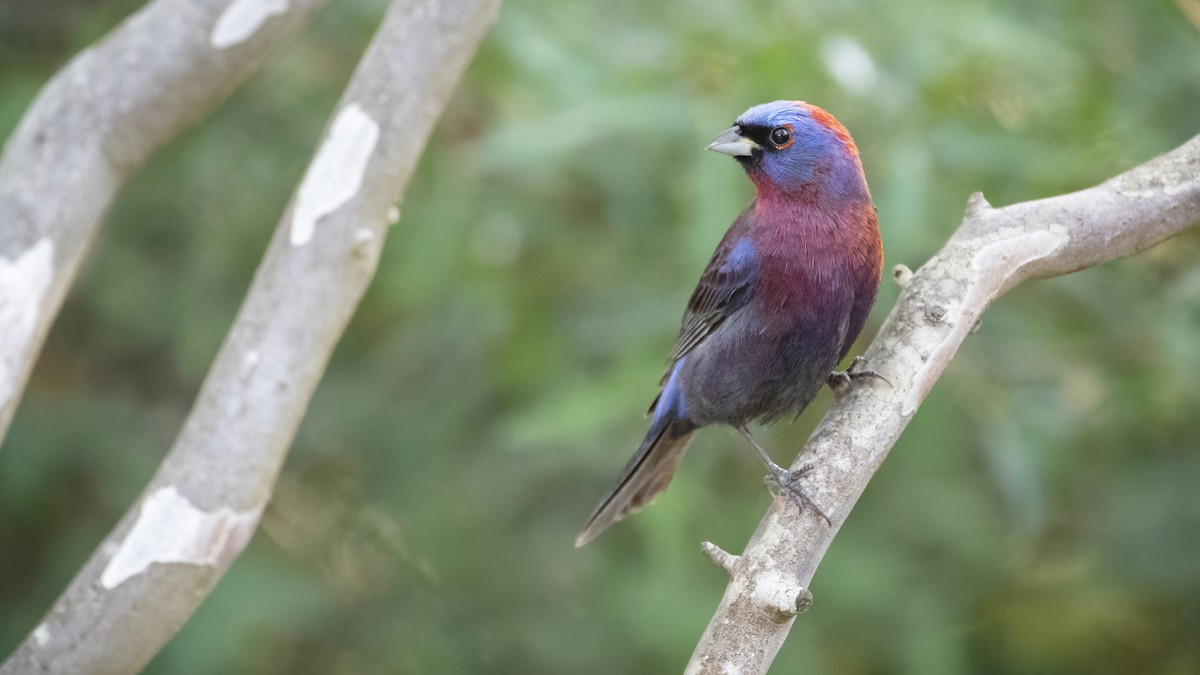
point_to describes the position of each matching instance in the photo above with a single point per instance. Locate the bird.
(779, 305)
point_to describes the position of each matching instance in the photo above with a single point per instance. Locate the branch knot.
(977, 206)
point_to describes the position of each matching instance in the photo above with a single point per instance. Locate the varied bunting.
(779, 305)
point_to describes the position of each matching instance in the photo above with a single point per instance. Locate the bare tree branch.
(993, 251)
(91, 127)
(203, 505)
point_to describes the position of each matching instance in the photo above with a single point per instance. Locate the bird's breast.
(798, 288)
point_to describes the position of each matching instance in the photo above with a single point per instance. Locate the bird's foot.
(841, 380)
(781, 481)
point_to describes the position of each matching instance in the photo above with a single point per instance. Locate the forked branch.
(203, 505)
(94, 125)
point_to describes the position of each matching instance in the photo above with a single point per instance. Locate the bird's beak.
(731, 142)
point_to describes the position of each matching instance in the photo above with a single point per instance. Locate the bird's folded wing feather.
(725, 287)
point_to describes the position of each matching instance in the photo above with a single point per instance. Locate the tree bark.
(93, 126)
(203, 505)
(993, 251)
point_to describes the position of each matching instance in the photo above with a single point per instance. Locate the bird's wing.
(725, 287)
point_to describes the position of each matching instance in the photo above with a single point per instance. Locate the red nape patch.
(830, 122)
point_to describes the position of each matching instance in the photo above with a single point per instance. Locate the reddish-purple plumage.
(782, 299)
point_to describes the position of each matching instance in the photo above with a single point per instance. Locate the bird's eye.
(781, 137)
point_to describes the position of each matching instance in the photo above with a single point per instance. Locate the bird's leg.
(783, 479)
(840, 380)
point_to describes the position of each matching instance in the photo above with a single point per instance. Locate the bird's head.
(792, 147)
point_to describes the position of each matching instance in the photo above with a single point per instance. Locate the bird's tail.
(645, 475)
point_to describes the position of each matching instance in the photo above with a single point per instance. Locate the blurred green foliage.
(1040, 515)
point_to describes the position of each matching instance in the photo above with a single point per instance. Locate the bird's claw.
(781, 481)
(840, 380)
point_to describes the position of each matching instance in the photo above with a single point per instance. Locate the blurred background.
(1040, 515)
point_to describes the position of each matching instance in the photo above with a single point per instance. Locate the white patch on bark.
(336, 174)
(23, 285)
(250, 361)
(991, 266)
(772, 589)
(242, 19)
(41, 634)
(170, 529)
